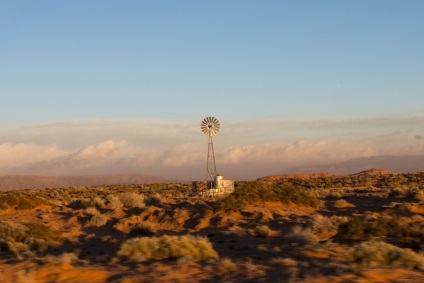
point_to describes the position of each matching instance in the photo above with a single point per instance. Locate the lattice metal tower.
(210, 127)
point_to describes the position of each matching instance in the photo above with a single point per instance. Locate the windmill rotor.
(210, 126)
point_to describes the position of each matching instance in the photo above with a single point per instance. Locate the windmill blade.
(210, 126)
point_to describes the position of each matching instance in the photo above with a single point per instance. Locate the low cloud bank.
(184, 161)
(178, 149)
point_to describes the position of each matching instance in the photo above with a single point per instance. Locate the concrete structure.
(218, 186)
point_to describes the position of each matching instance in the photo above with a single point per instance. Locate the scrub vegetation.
(366, 227)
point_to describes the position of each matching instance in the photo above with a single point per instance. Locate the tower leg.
(210, 165)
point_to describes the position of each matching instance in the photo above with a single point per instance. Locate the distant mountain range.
(40, 182)
(399, 164)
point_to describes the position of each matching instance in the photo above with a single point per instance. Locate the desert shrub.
(395, 229)
(155, 199)
(143, 229)
(19, 249)
(12, 230)
(132, 200)
(21, 202)
(114, 202)
(319, 193)
(399, 192)
(335, 194)
(262, 231)
(5, 245)
(22, 238)
(97, 220)
(63, 259)
(287, 268)
(41, 231)
(99, 203)
(302, 235)
(226, 264)
(36, 244)
(322, 224)
(341, 203)
(257, 192)
(91, 210)
(172, 247)
(376, 252)
(419, 195)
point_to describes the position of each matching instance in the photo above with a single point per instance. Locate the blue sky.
(245, 62)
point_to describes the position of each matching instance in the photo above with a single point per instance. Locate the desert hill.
(373, 172)
(370, 172)
(400, 164)
(296, 176)
(40, 182)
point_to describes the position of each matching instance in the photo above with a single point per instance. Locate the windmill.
(210, 127)
(214, 183)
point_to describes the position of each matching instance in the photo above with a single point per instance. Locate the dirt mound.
(374, 172)
(296, 176)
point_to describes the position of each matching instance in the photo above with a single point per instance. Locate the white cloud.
(12, 155)
(176, 147)
(295, 153)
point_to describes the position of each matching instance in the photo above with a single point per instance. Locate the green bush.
(396, 229)
(19, 238)
(168, 247)
(20, 202)
(41, 231)
(376, 252)
(322, 224)
(258, 192)
(13, 231)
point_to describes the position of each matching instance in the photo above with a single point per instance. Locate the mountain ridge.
(12, 182)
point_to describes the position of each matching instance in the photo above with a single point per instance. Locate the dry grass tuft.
(132, 200)
(303, 235)
(322, 224)
(97, 220)
(262, 231)
(341, 203)
(172, 247)
(114, 202)
(287, 267)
